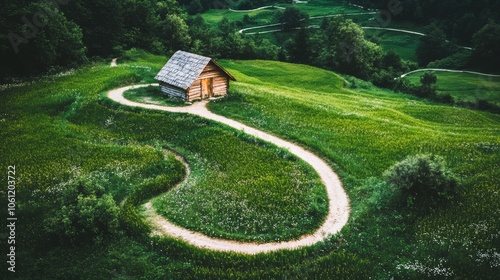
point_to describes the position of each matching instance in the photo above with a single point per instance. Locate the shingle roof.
(183, 68)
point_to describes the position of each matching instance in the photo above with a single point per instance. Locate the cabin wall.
(220, 86)
(220, 81)
(173, 92)
(211, 71)
(194, 91)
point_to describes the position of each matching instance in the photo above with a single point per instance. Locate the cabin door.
(206, 88)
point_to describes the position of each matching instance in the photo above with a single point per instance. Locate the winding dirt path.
(241, 31)
(257, 9)
(448, 70)
(338, 202)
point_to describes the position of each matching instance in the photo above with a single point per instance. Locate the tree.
(101, 23)
(391, 60)
(486, 44)
(299, 48)
(174, 33)
(433, 46)
(46, 41)
(226, 26)
(342, 47)
(293, 18)
(195, 7)
(427, 80)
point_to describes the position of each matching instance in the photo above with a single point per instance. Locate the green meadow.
(242, 188)
(405, 45)
(465, 86)
(266, 16)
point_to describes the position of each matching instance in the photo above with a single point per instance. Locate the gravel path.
(241, 31)
(257, 9)
(338, 205)
(449, 70)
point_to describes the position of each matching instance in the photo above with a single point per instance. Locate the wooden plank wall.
(194, 91)
(171, 91)
(220, 80)
(220, 85)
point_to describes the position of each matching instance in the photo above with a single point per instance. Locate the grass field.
(405, 45)
(151, 95)
(266, 16)
(362, 133)
(55, 127)
(465, 86)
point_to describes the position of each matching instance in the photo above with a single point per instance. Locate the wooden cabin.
(189, 76)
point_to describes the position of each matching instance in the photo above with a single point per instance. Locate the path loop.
(338, 202)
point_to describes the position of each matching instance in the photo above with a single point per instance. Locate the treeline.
(460, 19)
(340, 45)
(451, 25)
(56, 34)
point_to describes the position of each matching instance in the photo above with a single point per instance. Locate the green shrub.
(422, 181)
(86, 211)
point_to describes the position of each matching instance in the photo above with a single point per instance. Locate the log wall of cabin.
(194, 91)
(171, 91)
(220, 86)
(220, 82)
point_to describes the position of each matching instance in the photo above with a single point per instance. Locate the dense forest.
(460, 19)
(48, 36)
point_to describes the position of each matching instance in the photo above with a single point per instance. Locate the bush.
(422, 181)
(86, 212)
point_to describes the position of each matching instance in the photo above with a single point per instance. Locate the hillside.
(63, 126)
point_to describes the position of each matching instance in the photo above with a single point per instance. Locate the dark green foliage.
(293, 18)
(341, 46)
(434, 46)
(195, 7)
(27, 48)
(427, 80)
(460, 19)
(299, 48)
(486, 43)
(85, 211)
(422, 181)
(459, 60)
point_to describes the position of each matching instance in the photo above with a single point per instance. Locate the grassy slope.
(464, 86)
(51, 126)
(405, 45)
(362, 133)
(266, 16)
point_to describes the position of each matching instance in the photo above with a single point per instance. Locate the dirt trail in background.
(256, 9)
(338, 202)
(113, 63)
(449, 70)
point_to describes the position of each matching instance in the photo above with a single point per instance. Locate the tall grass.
(361, 133)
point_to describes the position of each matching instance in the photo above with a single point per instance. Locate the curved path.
(338, 202)
(448, 70)
(257, 9)
(312, 26)
(394, 29)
